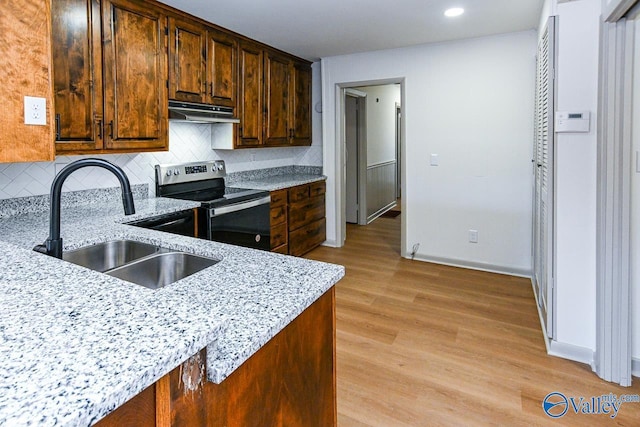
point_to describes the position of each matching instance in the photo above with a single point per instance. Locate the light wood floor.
(420, 344)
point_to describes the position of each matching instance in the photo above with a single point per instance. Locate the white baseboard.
(330, 243)
(571, 352)
(635, 367)
(473, 265)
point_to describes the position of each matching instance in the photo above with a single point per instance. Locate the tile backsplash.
(188, 142)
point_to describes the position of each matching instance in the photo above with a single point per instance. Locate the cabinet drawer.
(278, 198)
(306, 211)
(317, 188)
(278, 215)
(298, 193)
(278, 235)
(308, 237)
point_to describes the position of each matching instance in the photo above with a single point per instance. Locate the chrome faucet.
(53, 245)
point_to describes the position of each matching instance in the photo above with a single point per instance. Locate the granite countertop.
(279, 182)
(76, 344)
(275, 178)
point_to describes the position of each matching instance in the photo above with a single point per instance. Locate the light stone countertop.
(279, 182)
(75, 344)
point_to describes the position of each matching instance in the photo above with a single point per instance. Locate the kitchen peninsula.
(77, 344)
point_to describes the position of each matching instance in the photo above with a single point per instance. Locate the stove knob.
(176, 172)
(169, 173)
(220, 166)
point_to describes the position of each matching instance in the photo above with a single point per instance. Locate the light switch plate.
(35, 111)
(434, 160)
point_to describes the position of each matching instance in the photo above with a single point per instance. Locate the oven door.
(177, 223)
(244, 224)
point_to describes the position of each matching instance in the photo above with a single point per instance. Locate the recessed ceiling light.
(454, 11)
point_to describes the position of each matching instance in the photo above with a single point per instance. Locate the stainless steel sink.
(108, 255)
(162, 269)
(140, 263)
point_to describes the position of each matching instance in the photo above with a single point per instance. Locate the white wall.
(187, 142)
(381, 122)
(576, 172)
(471, 102)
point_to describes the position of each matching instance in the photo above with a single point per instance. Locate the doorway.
(377, 150)
(336, 161)
(371, 146)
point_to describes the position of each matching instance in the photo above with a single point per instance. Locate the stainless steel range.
(238, 216)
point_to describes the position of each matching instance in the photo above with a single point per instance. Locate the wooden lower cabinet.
(279, 221)
(307, 226)
(290, 381)
(298, 218)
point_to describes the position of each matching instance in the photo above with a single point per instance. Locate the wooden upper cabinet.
(187, 66)
(202, 64)
(135, 75)
(222, 68)
(276, 87)
(110, 76)
(300, 117)
(116, 63)
(250, 102)
(77, 65)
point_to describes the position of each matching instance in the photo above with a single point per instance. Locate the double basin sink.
(137, 262)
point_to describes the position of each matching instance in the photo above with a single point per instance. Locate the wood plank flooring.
(421, 344)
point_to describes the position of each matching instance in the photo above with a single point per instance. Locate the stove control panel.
(189, 172)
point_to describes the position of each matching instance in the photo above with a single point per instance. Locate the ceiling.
(322, 28)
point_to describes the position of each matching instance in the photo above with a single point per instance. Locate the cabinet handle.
(57, 126)
(211, 89)
(99, 125)
(111, 129)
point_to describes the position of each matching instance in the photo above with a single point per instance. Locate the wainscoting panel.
(381, 188)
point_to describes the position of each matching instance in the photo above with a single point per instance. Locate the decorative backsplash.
(188, 142)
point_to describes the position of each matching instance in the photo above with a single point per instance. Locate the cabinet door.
(301, 105)
(222, 60)
(77, 73)
(187, 71)
(135, 75)
(250, 97)
(276, 83)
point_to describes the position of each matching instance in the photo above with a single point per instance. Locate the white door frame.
(362, 151)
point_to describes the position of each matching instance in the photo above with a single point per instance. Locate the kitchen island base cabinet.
(290, 381)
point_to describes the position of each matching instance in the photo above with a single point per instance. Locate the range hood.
(200, 113)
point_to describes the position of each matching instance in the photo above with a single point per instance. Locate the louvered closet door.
(543, 174)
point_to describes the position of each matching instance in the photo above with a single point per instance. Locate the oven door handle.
(240, 206)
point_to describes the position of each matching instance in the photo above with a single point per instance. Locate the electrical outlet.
(473, 236)
(35, 111)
